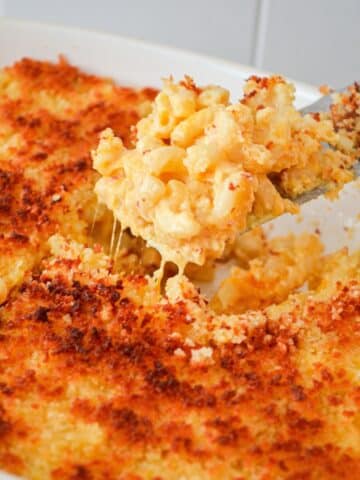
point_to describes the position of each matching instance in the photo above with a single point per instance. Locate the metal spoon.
(322, 105)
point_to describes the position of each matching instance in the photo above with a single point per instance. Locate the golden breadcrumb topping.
(345, 113)
(50, 117)
(102, 378)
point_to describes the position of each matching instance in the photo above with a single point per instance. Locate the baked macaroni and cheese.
(105, 376)
(202, 169)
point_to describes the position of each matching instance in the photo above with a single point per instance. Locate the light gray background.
(316, 41)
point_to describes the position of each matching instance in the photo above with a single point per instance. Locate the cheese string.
(113, 234)
(95, 217)
(118, 243)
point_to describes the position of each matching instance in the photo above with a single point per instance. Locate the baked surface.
(50, 118)
(103, 378)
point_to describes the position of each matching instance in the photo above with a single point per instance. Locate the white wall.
(316, 41)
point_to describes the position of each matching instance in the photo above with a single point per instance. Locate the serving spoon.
(320, 106)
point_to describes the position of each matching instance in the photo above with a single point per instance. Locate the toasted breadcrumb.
(100, 396)
(50, 118)
(345, 114)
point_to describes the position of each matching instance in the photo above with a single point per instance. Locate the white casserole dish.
(133, 62)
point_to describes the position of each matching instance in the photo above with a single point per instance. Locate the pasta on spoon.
(202, 169)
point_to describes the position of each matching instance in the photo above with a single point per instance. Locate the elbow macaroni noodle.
(202, 169)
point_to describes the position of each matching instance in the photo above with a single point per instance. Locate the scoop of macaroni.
(200, 168)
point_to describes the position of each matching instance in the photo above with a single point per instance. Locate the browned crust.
(46, 181)
(253, 405)
(86, 348)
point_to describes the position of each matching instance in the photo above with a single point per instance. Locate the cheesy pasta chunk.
(199, 170)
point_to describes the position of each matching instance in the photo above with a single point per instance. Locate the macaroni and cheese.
(202, 170)
(273, 270)
(105, 376)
